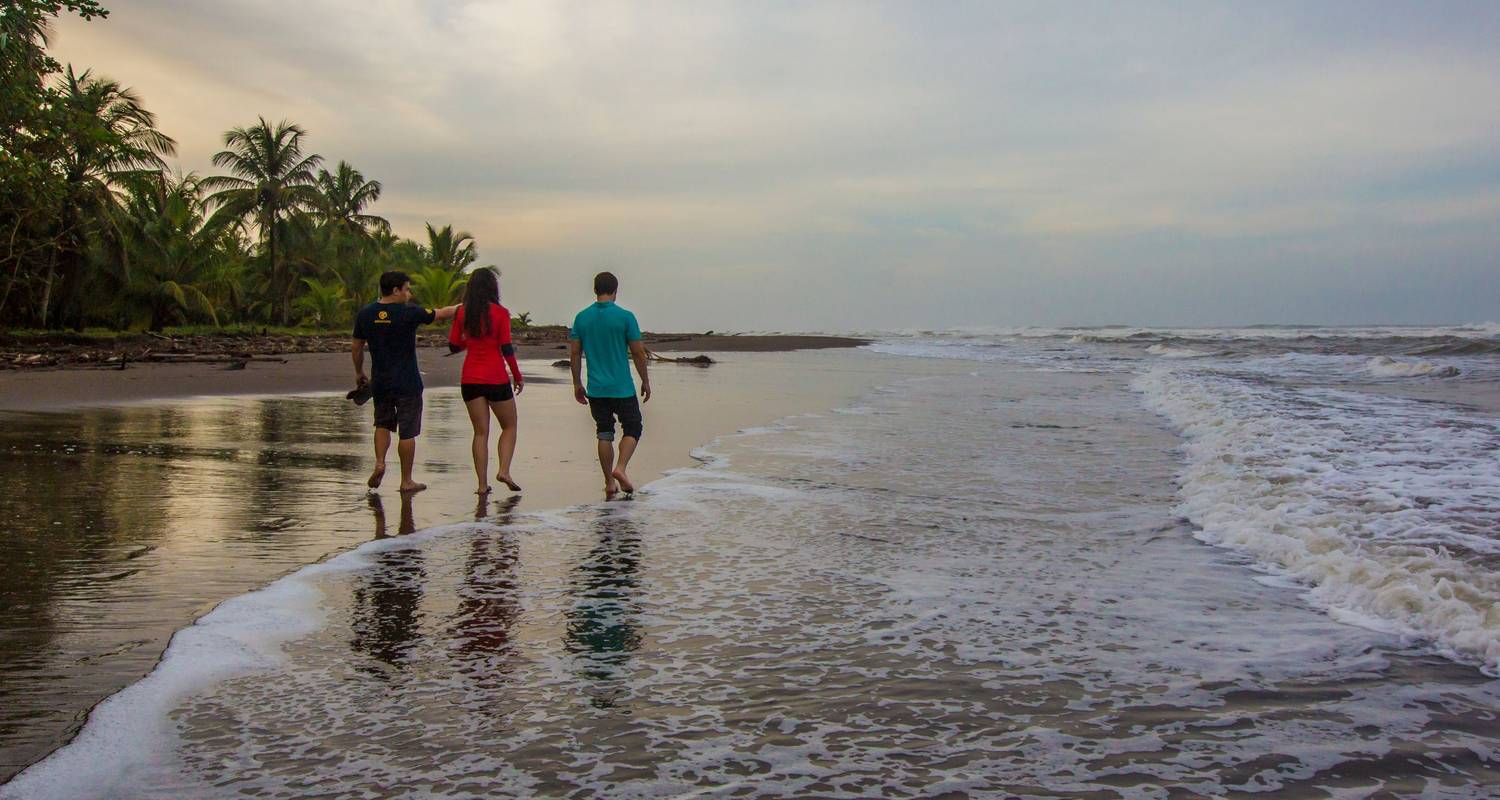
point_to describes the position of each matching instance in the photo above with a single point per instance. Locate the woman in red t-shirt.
(482, 330)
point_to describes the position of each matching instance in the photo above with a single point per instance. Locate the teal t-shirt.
(605, 330)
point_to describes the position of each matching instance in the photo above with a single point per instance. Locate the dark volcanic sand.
(48, 389)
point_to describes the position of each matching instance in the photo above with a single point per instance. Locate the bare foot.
(510, 484)
(625, 484)
(376, 476)
(610, 489)
(412, 486)
(485, 489)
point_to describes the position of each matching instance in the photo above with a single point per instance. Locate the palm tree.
(436, 286)
(271, 178)
(324, 303)
(175, 252)
(441, 279)
(359, 274)
(309, 249)
(230, 275)
(110, 138)
(36, 134)
(343, 196)
(451, 251)
(353, 236)
(406, 255)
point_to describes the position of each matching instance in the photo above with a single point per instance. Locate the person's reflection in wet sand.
(604, 622)
(503, 509)
(489, 597)
(388, 597)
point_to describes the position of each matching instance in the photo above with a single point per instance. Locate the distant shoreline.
(68, 350)
(210, 366)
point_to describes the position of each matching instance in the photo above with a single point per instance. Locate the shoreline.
(77, 385)
(184, 539)
(28, 351)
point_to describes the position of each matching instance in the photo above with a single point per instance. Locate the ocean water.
(1073, 563)
(1363, 463)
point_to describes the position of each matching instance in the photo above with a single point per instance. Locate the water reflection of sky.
(120, 525)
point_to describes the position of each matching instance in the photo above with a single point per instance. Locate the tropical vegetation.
(97, 231)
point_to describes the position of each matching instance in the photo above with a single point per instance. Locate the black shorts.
(606, 409)
(402, 413)
(492, 392)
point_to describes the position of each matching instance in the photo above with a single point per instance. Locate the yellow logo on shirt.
(384, 314)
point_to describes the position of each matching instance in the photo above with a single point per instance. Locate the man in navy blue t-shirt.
(388, 327)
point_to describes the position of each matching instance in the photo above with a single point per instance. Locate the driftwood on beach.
(695, 361)
(70, 350)
(122, 360)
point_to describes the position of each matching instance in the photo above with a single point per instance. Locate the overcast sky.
(836, 166)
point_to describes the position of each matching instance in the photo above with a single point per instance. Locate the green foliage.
(436, 286)
(29, 135)
(522, 320)
(63, 146)
(176, 254)
(94, 230)
(271, 179)
(343, 196)
(451, 251)
(324, 304)
(111, 139)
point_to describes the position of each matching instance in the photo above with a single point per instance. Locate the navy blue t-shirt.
(390, 331)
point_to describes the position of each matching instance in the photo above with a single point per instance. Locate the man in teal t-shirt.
(609, 338)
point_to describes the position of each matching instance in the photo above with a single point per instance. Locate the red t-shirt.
(487, 356)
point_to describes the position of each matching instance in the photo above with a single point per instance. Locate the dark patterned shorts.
(402, 414)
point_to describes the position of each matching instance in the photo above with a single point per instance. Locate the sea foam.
(130, 731)
(1168, 351)
(1339, 491)
(1387, 367)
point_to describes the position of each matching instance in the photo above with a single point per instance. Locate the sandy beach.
(293, 373)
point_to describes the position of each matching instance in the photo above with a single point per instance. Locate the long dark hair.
(483, 289)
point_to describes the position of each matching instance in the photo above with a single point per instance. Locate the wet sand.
(51, 389)
(124, 523)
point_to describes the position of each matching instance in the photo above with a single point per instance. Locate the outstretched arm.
(638, 355)
(446, 312)
(456, 335)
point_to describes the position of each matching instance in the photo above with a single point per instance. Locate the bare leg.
(505, 412)
(607, 463)
(479, 418)
(407, 450)
(627, 449)
(382, 445)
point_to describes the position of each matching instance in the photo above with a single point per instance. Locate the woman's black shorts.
(493, 392)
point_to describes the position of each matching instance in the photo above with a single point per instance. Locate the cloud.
(805, 150)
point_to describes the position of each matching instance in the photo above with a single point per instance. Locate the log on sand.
(694, 361)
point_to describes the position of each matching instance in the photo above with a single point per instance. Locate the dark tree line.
(96, 230)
